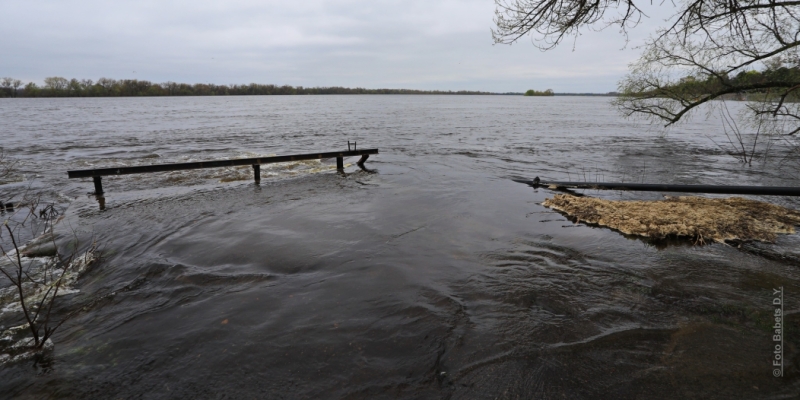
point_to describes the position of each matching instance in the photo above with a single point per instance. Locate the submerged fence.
(256, 162)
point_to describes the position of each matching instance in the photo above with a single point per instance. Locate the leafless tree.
(107, 84)
(86, 85)
(170, 87)
(709, 49)
(550, 21)
(16, 83)
(56, 83)
(5, 84)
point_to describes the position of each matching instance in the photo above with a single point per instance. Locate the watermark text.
(777, 332)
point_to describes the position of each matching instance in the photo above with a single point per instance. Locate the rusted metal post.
(98, 185)
(257, 172)
(340, 163)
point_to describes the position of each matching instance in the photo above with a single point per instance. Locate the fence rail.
(256, 162)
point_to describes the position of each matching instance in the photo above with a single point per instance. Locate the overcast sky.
(411, 44)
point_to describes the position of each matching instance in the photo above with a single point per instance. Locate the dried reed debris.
(701, 219)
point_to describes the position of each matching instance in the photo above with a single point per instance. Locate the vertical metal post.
(257, 172)
(340, 163)
(98, 185)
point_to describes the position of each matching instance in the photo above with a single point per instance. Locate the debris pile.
(698, 218)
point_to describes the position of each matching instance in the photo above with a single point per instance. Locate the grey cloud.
(409, 44)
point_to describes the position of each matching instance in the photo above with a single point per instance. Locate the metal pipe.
(649, 187)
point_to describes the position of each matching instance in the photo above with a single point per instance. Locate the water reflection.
(101, 201)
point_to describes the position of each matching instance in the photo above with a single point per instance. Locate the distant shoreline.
(21, 94)
(609, 94)
(104, 87)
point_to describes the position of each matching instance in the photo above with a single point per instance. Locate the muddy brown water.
(433, 276)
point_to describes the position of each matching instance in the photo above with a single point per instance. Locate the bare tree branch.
(708, 50)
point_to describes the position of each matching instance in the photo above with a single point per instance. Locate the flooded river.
(432, 276)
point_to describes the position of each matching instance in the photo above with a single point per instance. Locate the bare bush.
(37, 274)
(742, 145)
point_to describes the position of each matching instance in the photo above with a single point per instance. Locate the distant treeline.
(548, 92)
(105, 87)
(748, 85)
(609, 94)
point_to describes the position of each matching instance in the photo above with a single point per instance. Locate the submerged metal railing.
(256, 162)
